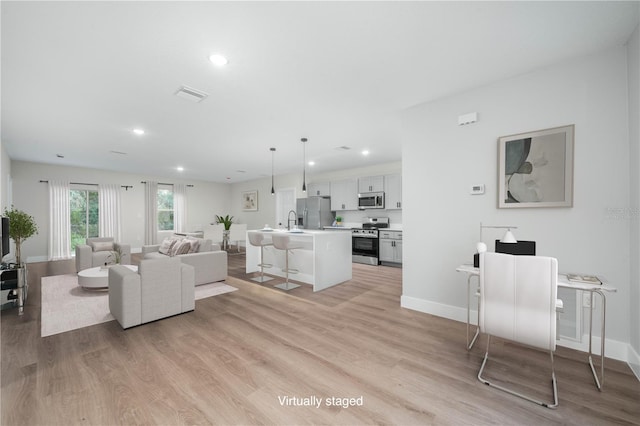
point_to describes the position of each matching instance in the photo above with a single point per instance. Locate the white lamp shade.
(508, 237)
(481, 247)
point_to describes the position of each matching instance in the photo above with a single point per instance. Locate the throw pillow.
(181, 247)
(195, 244)
(166, 246)
(102, 246)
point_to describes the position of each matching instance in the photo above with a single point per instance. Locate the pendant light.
(304, 165)
(273, 150)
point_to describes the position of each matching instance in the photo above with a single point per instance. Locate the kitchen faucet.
(290, 220)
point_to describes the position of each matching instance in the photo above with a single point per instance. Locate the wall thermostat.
(477, 189)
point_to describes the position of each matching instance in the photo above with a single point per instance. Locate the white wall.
(205, 199)
(633, 50)
(442, 160)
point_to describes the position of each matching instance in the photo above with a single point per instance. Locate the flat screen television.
(5, 237)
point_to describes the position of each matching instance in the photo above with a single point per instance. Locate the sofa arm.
(187, 275)
(210, 266)
(125, 296)
(125, 253)
(150, 249)
(215, 247)
(84, 257)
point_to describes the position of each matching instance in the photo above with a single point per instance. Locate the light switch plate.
(477, 189)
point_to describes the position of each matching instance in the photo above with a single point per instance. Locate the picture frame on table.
(250, 201)
(535, 169)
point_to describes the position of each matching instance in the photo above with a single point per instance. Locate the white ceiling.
(77, 77)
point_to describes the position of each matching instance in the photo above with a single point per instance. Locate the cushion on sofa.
(166, 246)
(181, 247)
(194, 243)
(102, 246)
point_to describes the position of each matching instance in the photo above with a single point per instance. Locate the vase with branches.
(21, 227)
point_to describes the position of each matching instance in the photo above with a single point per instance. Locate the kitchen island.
(323, 260)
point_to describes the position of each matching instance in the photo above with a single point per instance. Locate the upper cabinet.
(344, 195)
(322, 189)
(371, 184)
(393, 192)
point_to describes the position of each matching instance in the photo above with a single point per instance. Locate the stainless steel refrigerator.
(314, 212)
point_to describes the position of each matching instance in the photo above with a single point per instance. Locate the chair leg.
(554, 385)
(262, 278)
(287, 286)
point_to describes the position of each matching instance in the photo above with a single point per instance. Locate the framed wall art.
(535, 169)
(250, 201)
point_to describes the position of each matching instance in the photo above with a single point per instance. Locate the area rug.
(67, 306)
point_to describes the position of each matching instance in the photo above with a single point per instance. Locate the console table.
(563, 282)
(13, 280)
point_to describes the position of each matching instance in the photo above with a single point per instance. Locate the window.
(84, 215)
(165, 209)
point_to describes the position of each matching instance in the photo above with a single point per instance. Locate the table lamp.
(508, 237)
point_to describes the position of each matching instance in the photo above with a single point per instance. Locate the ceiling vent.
(343, 148)
(191, 94)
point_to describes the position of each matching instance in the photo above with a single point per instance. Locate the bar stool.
(257, 239)
(283, 242)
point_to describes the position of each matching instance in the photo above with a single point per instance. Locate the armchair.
(161, 288)
(518, 301)
(98, 251)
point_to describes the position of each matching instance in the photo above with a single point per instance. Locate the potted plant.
(21, 227)
(226, 221)
(338, 221)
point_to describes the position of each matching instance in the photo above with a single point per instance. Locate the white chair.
(283, 242)
(161, 288)
(98, 251)
(215, 233)
(238, 233)
(518, 301)
(257, 239)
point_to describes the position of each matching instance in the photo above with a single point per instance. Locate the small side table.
(97, 278)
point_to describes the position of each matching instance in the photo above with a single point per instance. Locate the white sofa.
(98, 251)
(161, 288)
(208, 261)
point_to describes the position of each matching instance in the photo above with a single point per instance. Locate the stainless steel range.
(365, 241)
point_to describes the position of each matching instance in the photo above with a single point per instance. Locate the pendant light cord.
(273, 150)
(304, 165)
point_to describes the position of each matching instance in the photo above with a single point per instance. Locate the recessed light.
(59, 155)
(312, 163)
(218, 60)
(365, 152)
(180, 169)
(138, 132)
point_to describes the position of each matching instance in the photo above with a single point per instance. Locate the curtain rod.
(170, 184)
(126, 187)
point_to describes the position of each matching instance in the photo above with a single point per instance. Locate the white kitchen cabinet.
(390, 247)
(344, 195)
(322, 189)
(393, 192)
(371, 184)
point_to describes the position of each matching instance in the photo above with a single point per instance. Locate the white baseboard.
(615, 349)
(634, 361)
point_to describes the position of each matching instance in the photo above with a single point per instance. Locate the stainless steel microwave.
(371, 200)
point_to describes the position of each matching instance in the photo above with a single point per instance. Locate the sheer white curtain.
(59, 220)
(180, 207)
(151, 213)
(109, 208)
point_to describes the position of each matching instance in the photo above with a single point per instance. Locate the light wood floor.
(234, 359)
